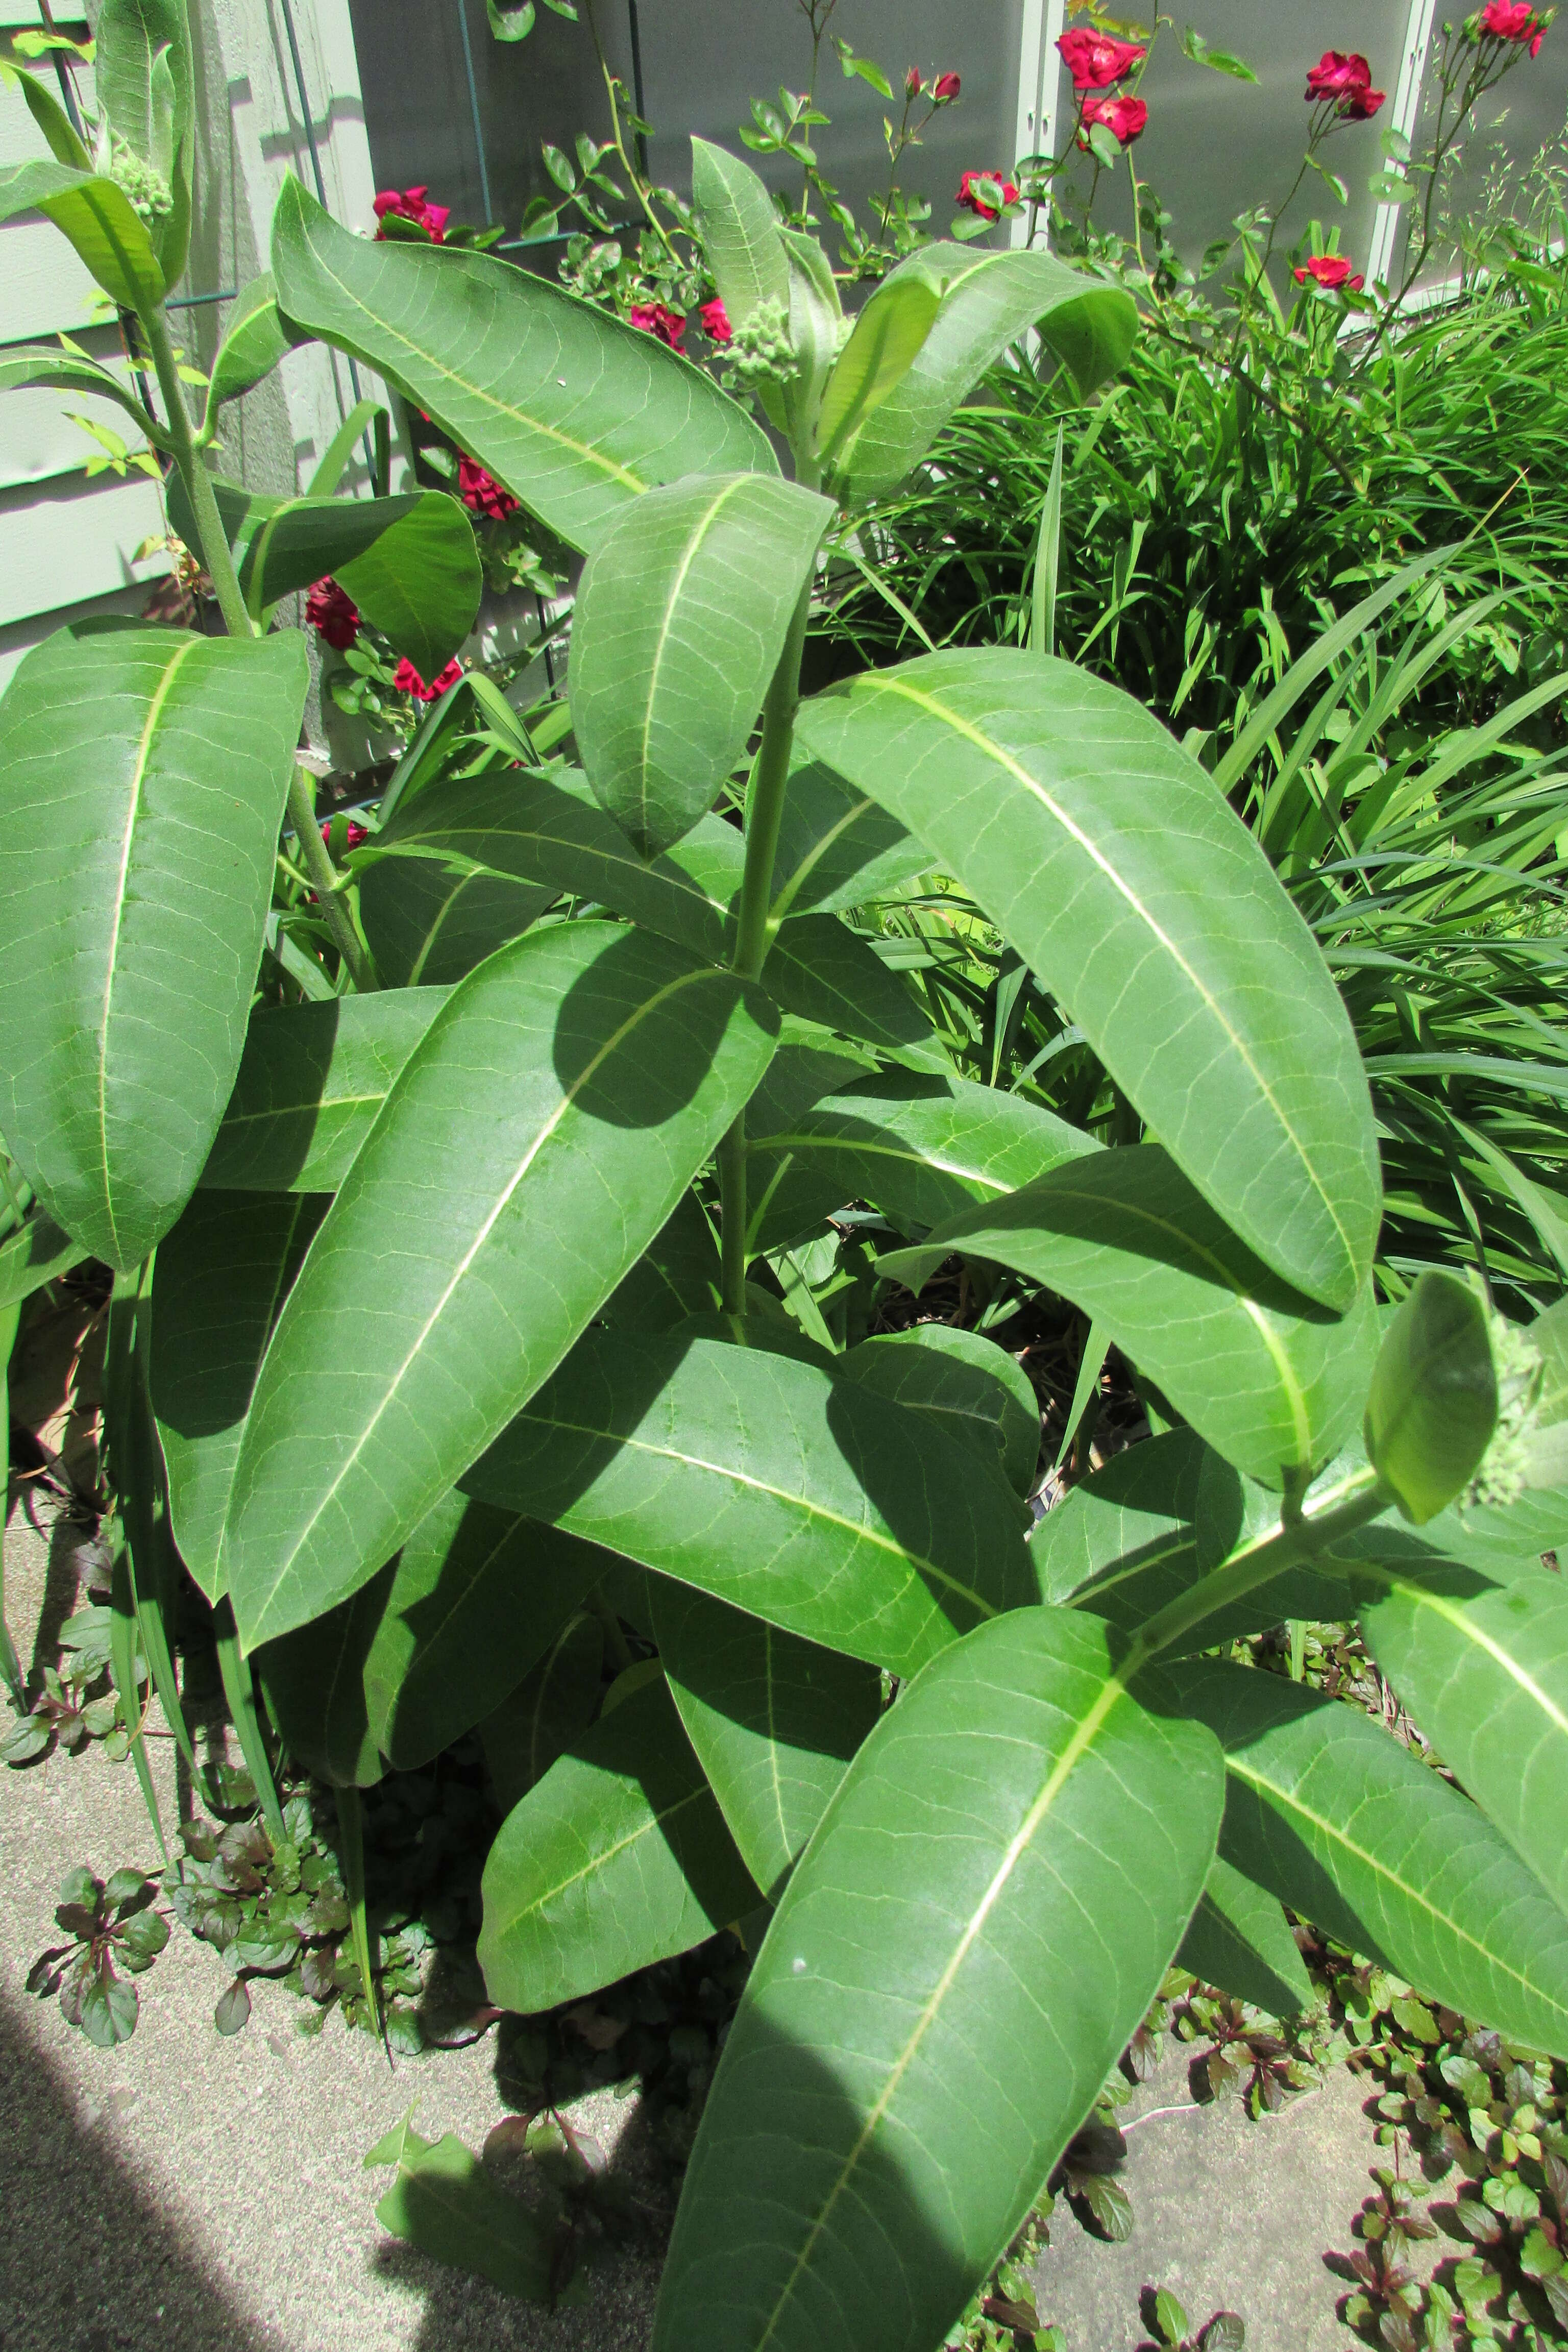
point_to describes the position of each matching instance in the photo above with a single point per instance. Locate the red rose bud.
(1124, 118)
(913, 82)
(1514, 20)
(408, 680)
(1095, 60)
(333, 614)
(1337, 74)
(1329, 270)
(947, 89)
(1360, 105)
(973, 193)
(482, 494)
(716, 321)
(409, 205)
(656, 318)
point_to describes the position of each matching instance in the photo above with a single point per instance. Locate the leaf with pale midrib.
(572, 411)
(143, 776)
(533, 1146)
(1102, 853)
(311, 1081)
(976, 1928)
(1330, 1813)
(1271, 1380)
(771, 1485)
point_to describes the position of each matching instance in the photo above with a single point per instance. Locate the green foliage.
(529, 1362)
(107, 1923)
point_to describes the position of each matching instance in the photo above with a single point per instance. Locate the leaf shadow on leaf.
(311, 1041)
(1072, 1200)
(651, 1095)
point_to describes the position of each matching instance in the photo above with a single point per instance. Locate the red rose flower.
(332, 611)
(1360, 105)
(408, 680)
(716, 321)
(1123, 116)
(973, 202)
(1337, 74)
(482, 494)
(946, 90)
(656, 318)
(1095, 60)
(1330, 271)
(1513, 20)
(409, 205)
(354, 832)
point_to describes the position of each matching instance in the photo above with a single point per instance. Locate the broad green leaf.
(63, 371)
(64, 142)
(1238, 1939)
(1433, 1404)
(838, 847)
(255, 341)
(1483, 1669)
(810, 1063)
(886, 338)
(771, 1485)
(975, 1390)
(989, 300)
(550, 829)
(476, 1599)
(1103, 852)
(444, 2202)
(1332, 1814)
(535, 1141)
(820, 970)
(922, 1149)
(573, 412)
(741, 239)
(311, 1080)
(680, 623)
(978, 1926)
(775, 1721)
(34, 1253)
(1137, 1535)
(427, 923)
(618, 1858)
(143, 776)
(96, 216)
(678, 1274)
(550, 1709)
(314, 1681)
(409, 563)
(218, 1287)
(1272, 1381)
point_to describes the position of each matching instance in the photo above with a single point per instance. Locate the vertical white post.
(1405, 115)
(1037, 72)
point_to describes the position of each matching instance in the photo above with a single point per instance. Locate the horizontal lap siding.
(67, 543)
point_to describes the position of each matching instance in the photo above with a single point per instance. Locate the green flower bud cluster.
(149, 196)
(760, 350)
